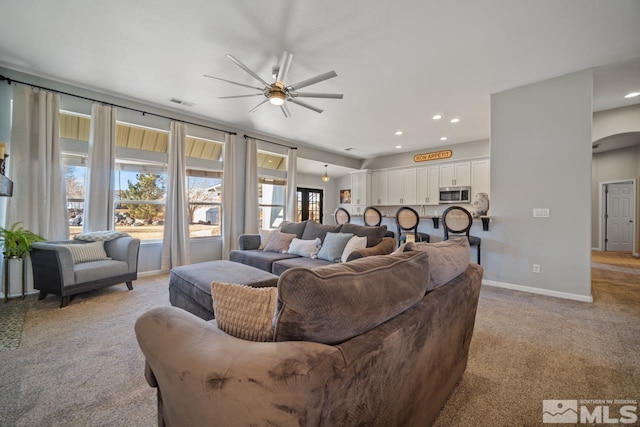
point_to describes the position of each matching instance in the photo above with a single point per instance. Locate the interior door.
(619, 217)
(310, 204)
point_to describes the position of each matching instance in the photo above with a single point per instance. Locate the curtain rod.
(9, 81)
(271, 142)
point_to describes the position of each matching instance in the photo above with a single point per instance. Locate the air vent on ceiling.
(182, 102)
(349, 149)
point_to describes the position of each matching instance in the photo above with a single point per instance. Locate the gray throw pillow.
(333, 246)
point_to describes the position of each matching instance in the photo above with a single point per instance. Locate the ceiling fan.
(278, 92)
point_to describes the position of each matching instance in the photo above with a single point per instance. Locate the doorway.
(310, 201)
(617, 216)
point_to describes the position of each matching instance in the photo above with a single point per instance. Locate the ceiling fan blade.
(259, 105)
(316, 95)
(233, 83)
(305, 105)
(285, 111)
(247, 69)
(313, 80)
(283, 66)
(240, 96)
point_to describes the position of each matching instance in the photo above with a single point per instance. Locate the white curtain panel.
(35, 165)
(98, 202)
(251, 189)
(176, 249)
(292, 196)
(230, 218)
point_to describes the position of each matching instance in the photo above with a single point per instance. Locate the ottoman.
(190, 285)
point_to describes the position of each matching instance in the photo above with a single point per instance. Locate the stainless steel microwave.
(455, 195)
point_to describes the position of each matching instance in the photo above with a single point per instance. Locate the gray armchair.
(55, 272)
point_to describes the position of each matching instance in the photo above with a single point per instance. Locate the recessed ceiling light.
(632, 95)
(455, 120)
(437, 117)
(398, 132)
(444, 138)
(398, 146)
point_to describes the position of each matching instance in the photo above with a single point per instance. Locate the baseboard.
(636, 254)
(539, 291)
(152, 273)
(595, 249)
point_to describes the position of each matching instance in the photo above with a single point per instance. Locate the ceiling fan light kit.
(277, 93)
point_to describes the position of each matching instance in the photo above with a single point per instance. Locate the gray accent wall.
(541, 158)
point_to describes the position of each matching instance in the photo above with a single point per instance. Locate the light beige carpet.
(81, 366)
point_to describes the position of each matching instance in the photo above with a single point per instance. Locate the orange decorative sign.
(435, 155)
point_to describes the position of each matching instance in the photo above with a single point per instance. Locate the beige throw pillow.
(447, 259)
(265, 237)
(243, 311)
(353, 244)
(85, 252)
(279, 242)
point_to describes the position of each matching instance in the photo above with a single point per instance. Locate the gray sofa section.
(393, 365)
(277, 263)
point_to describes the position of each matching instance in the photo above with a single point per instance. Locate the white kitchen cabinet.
(455, 174)
(379, 188)
(402, 187)
(480, 177)
(428, 185)
(360, 191)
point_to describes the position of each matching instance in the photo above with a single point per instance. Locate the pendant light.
(325, 177)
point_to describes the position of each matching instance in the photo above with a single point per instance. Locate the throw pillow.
(279, 242)
(85, 252)
(243, 311)
(447, 259)
(353, 244)
(333, 246)
(374, 234)
(305, 248)
(265, 237)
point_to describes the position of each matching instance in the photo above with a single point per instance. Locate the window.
(75, 175)
(271, 199)
(139, 199)
(205, 203)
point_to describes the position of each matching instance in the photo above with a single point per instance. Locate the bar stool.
(407, 220)
(342, 216)
(457, 220)
(373, 218)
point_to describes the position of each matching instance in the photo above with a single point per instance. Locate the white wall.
(541, 158)
(614, 165)
(616, 121)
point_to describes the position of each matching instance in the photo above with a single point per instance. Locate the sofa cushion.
(258, 259)
(333, 246)
(97, 270)
(305, 248)
(86, 252)
(279, 242)
(243, 311)
(283, 265)
(354, 243)
(374, 235)
(314, 230)
(334, 303)
(448, 259)
(296, 228)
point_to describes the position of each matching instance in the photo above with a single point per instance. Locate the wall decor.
(434, 155)
(345, 196)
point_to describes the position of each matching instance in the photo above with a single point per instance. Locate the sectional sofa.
(278, 262)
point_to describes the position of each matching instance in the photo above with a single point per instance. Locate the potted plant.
(16, 241)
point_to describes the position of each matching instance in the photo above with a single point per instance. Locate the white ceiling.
(398, 62)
